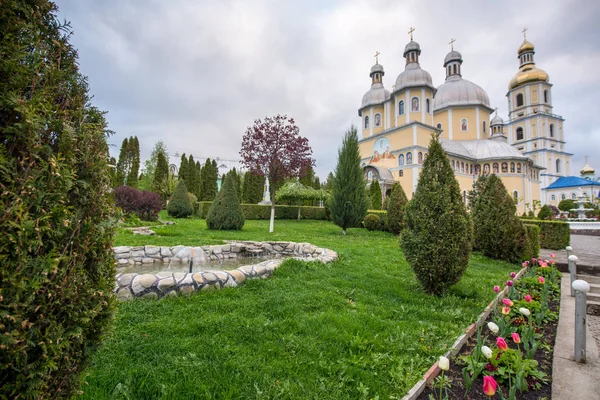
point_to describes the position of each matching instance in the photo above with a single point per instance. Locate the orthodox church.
(527, 152)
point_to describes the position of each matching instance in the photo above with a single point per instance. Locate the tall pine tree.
(133, 151)
(396, 209)
(253, 188)
(375, 195)
(161, 176)
(437, 239)
(348, 203)
(191, 177)
(183, 168)
(123, 163)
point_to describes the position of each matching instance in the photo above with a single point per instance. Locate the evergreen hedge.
(180, 205)
(554, 235)
(396, 209)
(225, 213)
(375, 195)
(56, 213)
(256, 211)
(532, 245)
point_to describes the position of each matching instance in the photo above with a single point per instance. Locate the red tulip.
(512, 275)
(496, 289)
(508, 302)
(509, 283)
(489, 385)
(516, 338)
(528, 298)
(505, 310)
(501, 343)
(541, 280)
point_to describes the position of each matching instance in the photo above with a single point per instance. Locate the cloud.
(196, 74)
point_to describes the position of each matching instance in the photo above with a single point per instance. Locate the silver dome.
(412, 46)
(497, 120)
(377, 68)
(412, 76)
(452, 56)
(376, 95)
(459, 92)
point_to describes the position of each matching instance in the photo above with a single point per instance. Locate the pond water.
(225, 265)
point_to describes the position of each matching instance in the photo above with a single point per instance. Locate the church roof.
(413, 76)
(457, 91)
(376, 95)
(482, 149)
(571, 181)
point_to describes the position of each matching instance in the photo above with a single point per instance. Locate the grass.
(360, 327)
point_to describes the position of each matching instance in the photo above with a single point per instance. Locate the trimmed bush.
(567, 205)
(226, 213)
(56, 210)
(554, 235)
(396, 209)
(372, 222)
(256, 211)
(437, 239)
(146, 205)
(545, 212)
(498, 230)
(180, 205)
(533, 241)
(375, 195)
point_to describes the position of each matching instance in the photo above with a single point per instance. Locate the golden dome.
(528, 73)
(526, 46)
(587, 170)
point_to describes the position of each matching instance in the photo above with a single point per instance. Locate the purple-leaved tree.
(274, 148)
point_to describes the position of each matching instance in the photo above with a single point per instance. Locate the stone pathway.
(586, 248)
(594, 325)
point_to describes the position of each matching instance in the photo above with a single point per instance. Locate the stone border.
(434, 370)
(167, 283)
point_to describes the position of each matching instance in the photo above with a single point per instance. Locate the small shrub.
(554, 235)
(226, 213)
(372, 222)
(180, 205)
(533, 241)
(146, 205)
(375, 195)
(396, 209)
(567, 205)
(545, 212)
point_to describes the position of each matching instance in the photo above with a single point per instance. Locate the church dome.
(376, 95)
(377, 68)
(452, 56)
(587, 170)
(529, 73)
(413, 76)
(526, 46)
(412, 46)
(497, 120)
(459, 92)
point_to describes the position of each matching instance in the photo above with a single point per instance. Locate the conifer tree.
(328, 184)
(134, 157)
(123, 163)
(191, 180)
(161, 176)
(225, 212)
(150, 166)
(253, 188)
(396, 209)
(180, 205)
(307, 175)
(375, 195)
(498, 231)
(198, 172)
(349, 201)
(316, 183)
(183, 167)
(437, 238)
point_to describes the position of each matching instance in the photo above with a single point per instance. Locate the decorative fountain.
(581, 200)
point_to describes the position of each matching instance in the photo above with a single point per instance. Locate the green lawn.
(356, 328)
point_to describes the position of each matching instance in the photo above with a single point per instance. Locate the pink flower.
(496, 289)
(553, 255)
(534, 260)
(501, 343)
(489, 385)
(541, 280)
(505, 310)
(552, 262)
(509, 283)
(516, 338)
(525, 264)
(512, 275)
(508, 302)
(528, 298)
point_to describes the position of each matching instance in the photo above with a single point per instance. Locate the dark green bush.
(56, 213)
(554, 235)
(396, 209)
(533, 242)
(545, 212)
(372, 222)
(375, 195)
(498, 231)
(180, 205)
(255, 211)
(567, 205)
(437, 239)
(225, 212)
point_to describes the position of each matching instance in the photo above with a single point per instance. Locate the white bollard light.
(581, 288)
(569, 249)
(573, 271)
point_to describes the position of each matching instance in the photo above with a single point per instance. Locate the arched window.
(420, 158)
(462, 167)
(401, 173)
(504, 167)
(551, 130)
(519, 99)
(424, 156)
(512, 167)
(401, 108)
(477, 169)
(454, 69)
(427, 106)
(377, 119)
(439, 126)
(471, 169)
(558, 166)
(414, 104)
(545, 96)
(409, 158)
(519, 133)
(464, 125)
(465, 196)
(573, 196)
(495, 168)
(563, 196)
(486, 169)
(453, 165)
(483, 126)
(553, 197)
(401, 159)
(518, 168)
(366, 122)
(516, 197)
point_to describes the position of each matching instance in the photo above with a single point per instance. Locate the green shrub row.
(532, 243)
(554, 235)
(256, 211)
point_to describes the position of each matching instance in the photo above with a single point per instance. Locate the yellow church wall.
(423, 136)
(378, 110)
(442, 118)
(458, 114)
(406, 181)
(534, 96)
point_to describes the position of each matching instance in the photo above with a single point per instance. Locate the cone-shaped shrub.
(348, 203)
(437, 238)
(498, 231)
(545, 212)
(180, 205)
(375, 195)
(226, 213)
(396, 209)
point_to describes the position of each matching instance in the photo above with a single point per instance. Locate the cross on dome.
(524, 33)
(452, 43)
(410, 32)
(377, 57)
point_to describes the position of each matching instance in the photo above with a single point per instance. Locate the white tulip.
(487, 352)
(493, 327)
(444, 363)
(525, 311)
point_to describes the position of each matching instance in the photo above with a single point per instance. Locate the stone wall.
(167, 283)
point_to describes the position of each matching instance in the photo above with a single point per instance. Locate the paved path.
(571, 380)
(586, 248)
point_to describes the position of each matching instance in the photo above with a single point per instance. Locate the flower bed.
(511, 354)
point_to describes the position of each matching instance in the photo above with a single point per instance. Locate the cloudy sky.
(196, 73)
